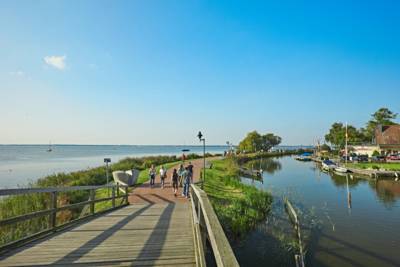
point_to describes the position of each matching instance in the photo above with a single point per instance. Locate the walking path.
(146, 194)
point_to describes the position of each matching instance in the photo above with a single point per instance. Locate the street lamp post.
(200, 136)
(106, 161)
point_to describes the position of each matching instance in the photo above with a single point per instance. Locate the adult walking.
(152, 174)
(163, 175)
(190, 169)
(174, 180)
(187, 180)
(181, 171)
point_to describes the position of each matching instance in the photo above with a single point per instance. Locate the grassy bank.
(239, 207)
(375, 166)
(22, 204)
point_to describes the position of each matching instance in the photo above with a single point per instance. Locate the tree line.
(337, 133)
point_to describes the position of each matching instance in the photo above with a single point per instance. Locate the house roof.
(387, 135)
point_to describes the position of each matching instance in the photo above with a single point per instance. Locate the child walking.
(174, 179)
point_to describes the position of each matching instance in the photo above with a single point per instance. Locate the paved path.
(146, 194)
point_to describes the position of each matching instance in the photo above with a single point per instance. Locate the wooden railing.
(54, 208)
(208, 227)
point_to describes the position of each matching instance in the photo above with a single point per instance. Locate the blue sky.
(157, 72)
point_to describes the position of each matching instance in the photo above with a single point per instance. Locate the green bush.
(376, 153)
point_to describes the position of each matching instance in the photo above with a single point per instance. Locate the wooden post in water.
(53, 206)
(293, 216)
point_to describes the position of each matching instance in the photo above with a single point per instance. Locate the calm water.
(21, 164)
(345, 221)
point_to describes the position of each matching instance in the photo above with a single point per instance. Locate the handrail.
(211, 229)
(54, 208)
(19, 191)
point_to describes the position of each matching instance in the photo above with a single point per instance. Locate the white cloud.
(57, 62)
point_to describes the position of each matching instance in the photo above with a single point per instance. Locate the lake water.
(21, 164)
(346, 221)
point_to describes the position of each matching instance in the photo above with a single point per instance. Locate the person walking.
(163, 174)
(187, 180)
(152, 174)
(190, 169)
(174, 180)
(180, 174)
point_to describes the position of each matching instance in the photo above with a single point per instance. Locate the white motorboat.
(328, 165)
(341, 169)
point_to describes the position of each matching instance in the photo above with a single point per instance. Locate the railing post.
(113, 196)
(126, 195)
(92, 198)
(53, 206)
(117, 189)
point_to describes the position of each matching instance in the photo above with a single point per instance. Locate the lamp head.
(199, 135)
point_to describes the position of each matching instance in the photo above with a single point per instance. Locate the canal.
(346, 220)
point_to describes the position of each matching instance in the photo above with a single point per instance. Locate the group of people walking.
(182, 177)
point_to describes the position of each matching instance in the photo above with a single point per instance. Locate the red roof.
(387, 135)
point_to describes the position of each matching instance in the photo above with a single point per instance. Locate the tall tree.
(255, 142)
(337, 135)
(270, 140)
(251, 142)
(382, 116)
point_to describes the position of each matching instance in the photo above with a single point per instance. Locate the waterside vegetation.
(239, 207)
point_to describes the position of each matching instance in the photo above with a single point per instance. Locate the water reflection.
(387, 191)
(268, 165)
(347, 220)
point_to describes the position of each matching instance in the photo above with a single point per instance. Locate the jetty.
(371, 173)
(146, 227)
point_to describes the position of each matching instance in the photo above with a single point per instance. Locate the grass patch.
(375, 166)
(239, 207)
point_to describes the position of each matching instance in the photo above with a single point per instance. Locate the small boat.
(341, 169)
(328, 165)
(304, 157)
(50, 148)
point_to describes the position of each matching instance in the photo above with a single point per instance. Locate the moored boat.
(341, 169)
(328, 165)
(304, 157)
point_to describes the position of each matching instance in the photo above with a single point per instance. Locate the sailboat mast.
(346, 145)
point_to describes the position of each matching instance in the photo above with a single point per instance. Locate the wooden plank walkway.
(156, 229)
(137, 235)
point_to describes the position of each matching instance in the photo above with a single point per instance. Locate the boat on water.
(50, 148)
(341, 169)
(329, 165)
(304, 157)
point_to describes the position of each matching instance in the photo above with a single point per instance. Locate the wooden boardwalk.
(136, 235)
(156, 229)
